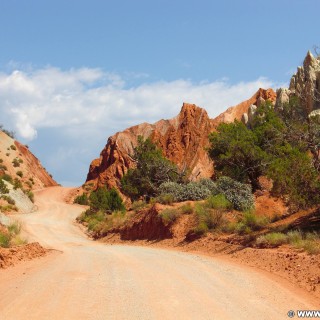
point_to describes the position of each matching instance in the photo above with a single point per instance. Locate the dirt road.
(89, 280)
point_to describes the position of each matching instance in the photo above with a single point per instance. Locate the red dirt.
(12, 256)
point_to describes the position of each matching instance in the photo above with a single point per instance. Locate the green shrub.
(274, 239)
(99, 222)
(309, 242)
(30, 195)
(208, 218)
(6, 177)
(106, 200)
(239, 194)
(3, 187)
(186, 209)
(310, 246)
(14, 228)
(185, 192)
(172, 188)
(253, 221)
(201, 228)
(93, 219)
(165, 198)
(138, 205)
(294, 236)
(247, 223)
(210, 185)
(294, 175)
(16, 162)
(81, 199)
(4, 240)
(11, 134)
(19, 173)
(169, 215)
(12, 147)
(8, 208)
(17, 241)
(218, 201)
(8, 199)
(3, 167)
(194, 191)
(17, 184)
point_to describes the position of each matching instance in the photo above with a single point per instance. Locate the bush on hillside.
(106, 200)
(184, 192)
(210, 185)
(219, 202)
(239, 194)
(81, 199)
(3, 187)
(194, 191)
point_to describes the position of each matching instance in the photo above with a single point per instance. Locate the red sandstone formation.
(183, 140)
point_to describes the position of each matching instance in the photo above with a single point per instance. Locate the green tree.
(279, 145)
(294, 175)
(236, 153)
(152, 169)
(106, 200)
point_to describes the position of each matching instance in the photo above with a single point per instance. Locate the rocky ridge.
(183, 140)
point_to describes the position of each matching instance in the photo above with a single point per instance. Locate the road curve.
(89, 280)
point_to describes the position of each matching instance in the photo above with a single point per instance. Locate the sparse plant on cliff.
(3, 188)
(11, 134)
(19, 173)
(16, 162)
(30, 195)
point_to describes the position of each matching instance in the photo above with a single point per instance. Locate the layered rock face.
(17, 157)
(305, 84)
(183, 140)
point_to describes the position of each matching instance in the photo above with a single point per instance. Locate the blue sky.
(73, 73)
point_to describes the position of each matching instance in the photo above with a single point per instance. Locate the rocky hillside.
(17, 161)
(183, 140)
(237, 112)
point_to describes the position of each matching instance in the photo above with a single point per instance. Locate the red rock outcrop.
(237, 111)
(183, 140)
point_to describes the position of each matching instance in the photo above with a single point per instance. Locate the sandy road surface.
(89, 280)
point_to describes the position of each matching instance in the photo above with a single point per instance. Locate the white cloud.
(50, 97)
(87, 105)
